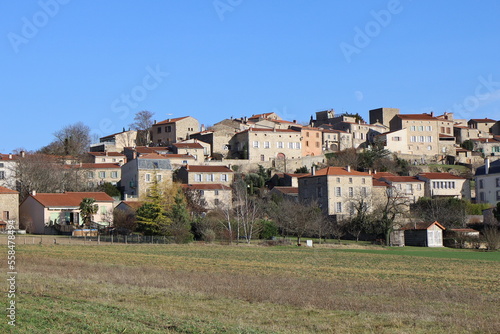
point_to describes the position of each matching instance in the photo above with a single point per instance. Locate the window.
(350, 180)
(448, 131)
(429, 139)
(168, 128)
(256, 144)
(338, 180)
(279, 144)
(103, 159)
(317, 134)
(114, 175)
(1, 164)
(421, 139)
(158, 177)
(197, 177)
(2, 175)
(351, 191)
(429, 148)
(158, 130)
(396, 138)
(210, 177)
(338, 207)
(297, 146)
(320, 191)
(291, 145)
(363, 181)
(317, 144)
(498, 195)
(338, 191)
(442, 129)
(216, 192)
(420, 128)
(114, 160)
(412, 128)
(102, 175)
(307, 134)
(216, 201)
(482, 198)
(419, 186)
(6, 215)
(267, 144)
(413, 139)
(307, 143)
(147, 177)
(363, 192)
(481, 184)
(223, 177)
(262, 157)
(497, 180)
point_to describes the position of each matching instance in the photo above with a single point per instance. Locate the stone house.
(8, 163)
(193, 174)
(487, 181)
(174, 130)
(213, 195)
(258, 145)
(483, 124)
(337, 189)
(9, 207)
(47, 213)
(335, 140)
(445, 185)
(197, 149)
(107, 157)
(115, 142)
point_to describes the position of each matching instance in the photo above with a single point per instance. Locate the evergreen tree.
(180, 229)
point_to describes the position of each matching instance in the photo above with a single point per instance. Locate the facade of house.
(487, 146)
(336, 140)
(487, 181)
(8, 164)
(408, 187)
(266, 144)
(483, 124)
(195, 149)
(213, 195)
(99, 173)
(46, 213)
(138, 174)
(463, 133)
(445, 185)
(312, 140)
(192, 174)
(394, 141)
(362, 134)
(9, 207)
(174, 130)
(285, 180)
(424, 234)
(107, 157)
(291, 193)
(115, 142)
(336, 189)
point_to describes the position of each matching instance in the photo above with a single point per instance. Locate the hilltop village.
(387, 178)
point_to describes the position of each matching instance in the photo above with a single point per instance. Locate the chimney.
(125, 196)
(33, 193)
(348, 168)
(374, 171)
(432, 113)
(486, 166)
(134, 155)
(23, 154)
(295, 121)
(369, 172)
(187, 166)
(154, 121)
(10, 156)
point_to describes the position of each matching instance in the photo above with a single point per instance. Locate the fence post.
(125, 239)
(98, 239)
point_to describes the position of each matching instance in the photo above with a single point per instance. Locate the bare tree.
(247, 211)
(449, 212)
(338, 229)
(360, 217)
(143, 123)
(347, 157)
(73, 140)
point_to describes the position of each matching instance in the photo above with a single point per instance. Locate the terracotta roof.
(261, 115)
(402, 179)
(334, 131)
(106, 154)
(287, 190)
(378, 183)
(422, 226)
(8, 157)
(486, 140)
(425, 117)
(118, 133)
(69, 199)
(378, 175)
(268, 130)
(171, 120)
(4, 190)
(188, 145)
(445, 136)
(207, 169)
(206, 186)
(461, 127)
(165, 156)
(440, 176)
(339, 171)
(483, 120)
(133, 204)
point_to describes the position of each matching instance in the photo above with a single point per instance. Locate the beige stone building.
(266, 145)
(487, 146)
(99, 173)
(115, 142)
(174, 130)
(409, 187)
(336, 140)
(463, 133)
(445, 185)
(484, 124)
(337, 190)
(214, 195)
(9, 207)
(8, 163)
(107, 157)
(383, 115)
(193, 174)
(199, 150)
(394, 141)
(312, 140)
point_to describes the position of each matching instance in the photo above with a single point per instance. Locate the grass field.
(201, 288)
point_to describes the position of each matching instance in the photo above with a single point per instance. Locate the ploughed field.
(200, 288)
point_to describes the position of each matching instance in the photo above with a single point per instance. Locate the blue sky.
(100, 62)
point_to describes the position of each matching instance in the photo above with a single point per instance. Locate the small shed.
(424, 234)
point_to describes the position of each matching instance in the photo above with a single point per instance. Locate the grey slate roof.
(494, 168)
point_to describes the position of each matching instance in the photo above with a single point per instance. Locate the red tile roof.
(8, 157)
(340, 171)
(266, 115)
(165, 156)
(378, 183)
(208, 169)
(4, 190)
(171, 120)
(483, 120)
(94, 166)
(188, 145)
(268, 130)
(402, 179)
(133, 204)
(205, 186)
(378, 175)
(440, 176)
(423, 117)
(69, 199)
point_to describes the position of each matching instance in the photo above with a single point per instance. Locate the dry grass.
(198, 288)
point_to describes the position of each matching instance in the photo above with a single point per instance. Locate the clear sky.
(100, 62)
